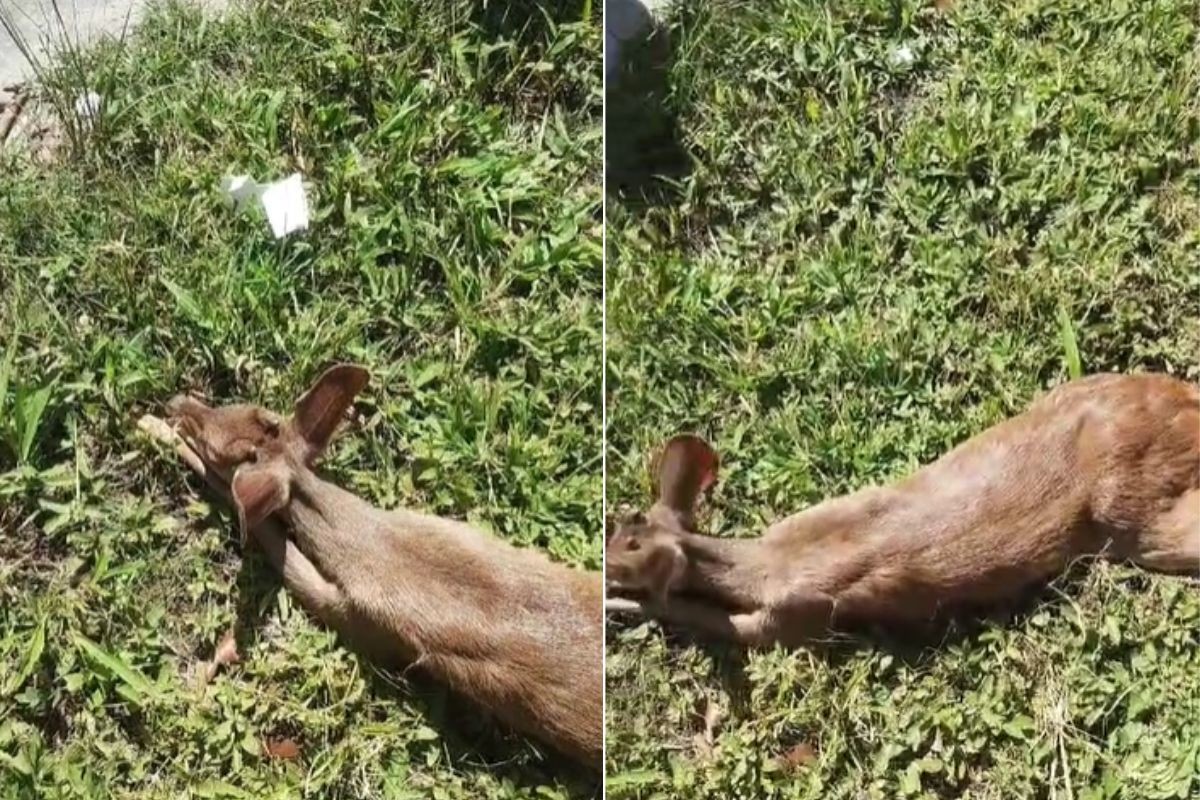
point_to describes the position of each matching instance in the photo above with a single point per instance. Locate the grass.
(452, 158)
(836, 265)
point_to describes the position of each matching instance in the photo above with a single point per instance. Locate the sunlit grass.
(852, 264)
(452, 160)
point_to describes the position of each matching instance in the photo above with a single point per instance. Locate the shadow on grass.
(474, 740)
(520, 29)
(645, 156)
(512, 20)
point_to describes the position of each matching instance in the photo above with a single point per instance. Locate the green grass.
(452, 154)
(852, 265)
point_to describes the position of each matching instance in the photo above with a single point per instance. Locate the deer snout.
(187, 414)
(183, 406)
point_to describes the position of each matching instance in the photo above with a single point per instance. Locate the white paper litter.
(286, 205)
(902, 56)
(240, 189)
(284, 200)
(87, 106)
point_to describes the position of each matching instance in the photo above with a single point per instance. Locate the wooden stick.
(161, 431)
(13, 112)
(623, 605)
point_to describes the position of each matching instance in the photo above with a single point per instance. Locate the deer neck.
(727, 571)
(330, 524)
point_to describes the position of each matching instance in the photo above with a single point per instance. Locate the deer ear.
(259, 490)
(687, 467)
(321, 408)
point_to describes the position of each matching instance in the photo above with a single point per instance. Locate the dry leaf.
(801, 755)
(226, 653)
(712, 719)
(281, 748)
(943, 5)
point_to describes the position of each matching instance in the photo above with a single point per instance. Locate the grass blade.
(139, 685)
(626, 783)
(187, 303)
(30, 412)
(37, 645)
(5, 371)
(1066, 334)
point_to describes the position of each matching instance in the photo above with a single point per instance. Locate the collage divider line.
(603, 391)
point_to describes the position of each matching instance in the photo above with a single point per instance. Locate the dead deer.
(1107, 465)
(505, 627)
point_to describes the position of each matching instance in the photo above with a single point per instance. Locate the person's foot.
(625, 20)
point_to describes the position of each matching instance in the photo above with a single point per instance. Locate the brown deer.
(1107, 465)
(506, 627)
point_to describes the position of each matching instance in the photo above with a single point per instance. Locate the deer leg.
(1172, 542)
(750, 628)
(320, 596)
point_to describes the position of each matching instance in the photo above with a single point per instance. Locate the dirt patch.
(28, 124)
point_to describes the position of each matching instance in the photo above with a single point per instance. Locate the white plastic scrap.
(87, 106)
(286, 205)
(240, 189)
(902, 56)
(284, 200)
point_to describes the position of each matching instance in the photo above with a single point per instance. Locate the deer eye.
(239, 451)
(270, 426)
(633, 546)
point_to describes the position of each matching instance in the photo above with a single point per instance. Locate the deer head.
(258, 452)
(645, 552)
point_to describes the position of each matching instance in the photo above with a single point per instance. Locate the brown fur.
(509, 628)
(1108, 465)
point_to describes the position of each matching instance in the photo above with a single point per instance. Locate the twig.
(1062, 748)
(161, 431)
(623, 605)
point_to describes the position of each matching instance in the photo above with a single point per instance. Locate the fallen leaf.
(281, 748)
(709, 715)
(226, 653)
(710, 718)
(800, 755)
(943, 5)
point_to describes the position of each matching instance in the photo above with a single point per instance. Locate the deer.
(506, 627)
(1105, 466)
